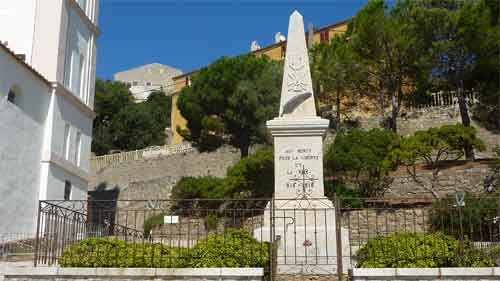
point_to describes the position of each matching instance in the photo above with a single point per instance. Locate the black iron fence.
(312, 236)
(17, 246)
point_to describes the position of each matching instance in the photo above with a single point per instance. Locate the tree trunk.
(464, 114)
(382, 102)
(244, 147)
(394, 116)
(434, 184)
(338, 108)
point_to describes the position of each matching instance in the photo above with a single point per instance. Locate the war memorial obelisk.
(303, 218)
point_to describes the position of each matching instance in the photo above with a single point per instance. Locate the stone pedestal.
(305, 236)
(304, 219)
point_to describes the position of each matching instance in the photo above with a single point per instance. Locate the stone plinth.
(305, 236)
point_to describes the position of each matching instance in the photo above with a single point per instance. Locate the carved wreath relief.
(296, 75)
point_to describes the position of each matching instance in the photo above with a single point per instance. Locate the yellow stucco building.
(275, 51)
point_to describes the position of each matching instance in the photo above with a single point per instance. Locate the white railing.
(99, 162)
(443, 99)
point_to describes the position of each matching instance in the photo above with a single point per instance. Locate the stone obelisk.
(298, 132)
(301, 219)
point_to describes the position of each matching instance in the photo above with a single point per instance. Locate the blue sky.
(189, 34)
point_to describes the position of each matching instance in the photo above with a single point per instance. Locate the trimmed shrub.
(113, 252)
(494, 253)
(235, 248)
(410, 250)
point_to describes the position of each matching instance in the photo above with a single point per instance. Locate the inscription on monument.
(299, 175)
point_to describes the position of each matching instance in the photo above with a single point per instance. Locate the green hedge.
(113, 252)
(410, 250)
(235, 248)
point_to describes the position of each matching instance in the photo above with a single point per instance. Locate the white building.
(47, 78)
(143, 80)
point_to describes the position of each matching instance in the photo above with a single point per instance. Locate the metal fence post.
(273, 253)
(35, 259)
(338, 233)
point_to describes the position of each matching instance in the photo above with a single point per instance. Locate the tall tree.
(487, 73)
(230, 100)
(110, 98)
(121, 124)
(460, 37)
(337, 72)
(159, 105)
(385, 43)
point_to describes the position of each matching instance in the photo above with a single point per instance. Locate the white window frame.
(67, 138)
(78, 148)
(81, 93)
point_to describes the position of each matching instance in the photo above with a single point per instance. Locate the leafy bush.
(150, 222)
(113, 252)
(351, 197)
(474, 220)
(412, 250)
(358, 156)
(207, 187)
(253, 176)
(494, 253)
(235, 248)
(432, 147)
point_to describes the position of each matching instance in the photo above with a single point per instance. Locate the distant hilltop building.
(144, 80)
(47, 79)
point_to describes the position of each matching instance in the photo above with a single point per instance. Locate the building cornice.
(62, 91)
(67, 166)
(91, 25)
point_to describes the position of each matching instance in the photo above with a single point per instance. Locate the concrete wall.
(21, 140)
(129, 274)
(424, 274)
(20, 14)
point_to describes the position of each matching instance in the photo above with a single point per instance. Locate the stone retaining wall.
(467, 177)
(368, 223)
(423, 119)
(154, 178)
(128, 274)
(426, 274)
